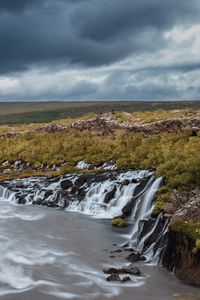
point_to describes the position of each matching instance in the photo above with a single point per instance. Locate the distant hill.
(34, 112)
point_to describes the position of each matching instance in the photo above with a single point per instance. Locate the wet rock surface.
(180, 258)
(131, 270)
(179, 255)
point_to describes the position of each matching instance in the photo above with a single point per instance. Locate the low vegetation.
(42, 112)
(190, 228)
(119, 222)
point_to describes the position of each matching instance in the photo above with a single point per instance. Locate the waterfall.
(6, 193)
(112, 193)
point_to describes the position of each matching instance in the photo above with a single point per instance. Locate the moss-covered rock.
(119, 222)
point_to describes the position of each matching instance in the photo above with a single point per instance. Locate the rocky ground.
(108, 123)
(182, 255)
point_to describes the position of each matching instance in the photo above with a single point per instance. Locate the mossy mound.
(119, 222)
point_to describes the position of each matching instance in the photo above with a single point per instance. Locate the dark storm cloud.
(12, 5)
(87, 32)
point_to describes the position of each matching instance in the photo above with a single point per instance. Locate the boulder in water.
(119, 222)
(113, 277)
(126, 278)
(125, 182)
(21, 200)
(133, 257)
(131, 269)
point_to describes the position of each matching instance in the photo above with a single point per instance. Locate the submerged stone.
(113, 277)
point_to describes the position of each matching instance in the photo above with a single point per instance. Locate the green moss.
(189, 227)
(119, 222)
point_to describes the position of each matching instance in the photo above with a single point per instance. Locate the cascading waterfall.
(128, 194)
(6, 193)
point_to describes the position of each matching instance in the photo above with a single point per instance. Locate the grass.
(189, 227)
(174, 156)
(29, 112)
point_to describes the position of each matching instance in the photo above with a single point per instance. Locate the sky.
(99, 50)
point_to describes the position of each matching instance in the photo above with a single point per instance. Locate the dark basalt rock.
(157, 237)
(80, 181)
(113, 277)
(38, 201)
(134, 180)
(110, 195)
(131, 269)
(48, 193)
(126, 182)
(21, 199)
(125, 279)
(133, 257)
(180, 258)
(129, 249)
(127, 209)
(66, 184)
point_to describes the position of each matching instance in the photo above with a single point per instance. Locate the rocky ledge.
(182, 254)
(181, 259)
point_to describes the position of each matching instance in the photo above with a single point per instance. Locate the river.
(48, 254)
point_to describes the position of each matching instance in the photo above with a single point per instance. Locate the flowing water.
(60, 254)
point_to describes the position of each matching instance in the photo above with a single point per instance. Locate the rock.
(21, 200)
(6, 163)
(43, 166)
(20, 184)
(113, 277)
(17, 163)
(111, 271)
(119, 222)
(125, 279)
(133, 257)
(110, 195)
(38, 201)
(7, 171)
(129, 249)
(169, 208)
(55, 167)
(126, 182)
(127, 209)
(180, 258)
(66, 184)
(134, 180)
(168, 215)
(80, 181)
(132, 270)
(48, 193)
(116, 251)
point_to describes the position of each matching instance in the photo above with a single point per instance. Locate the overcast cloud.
(99, 49)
